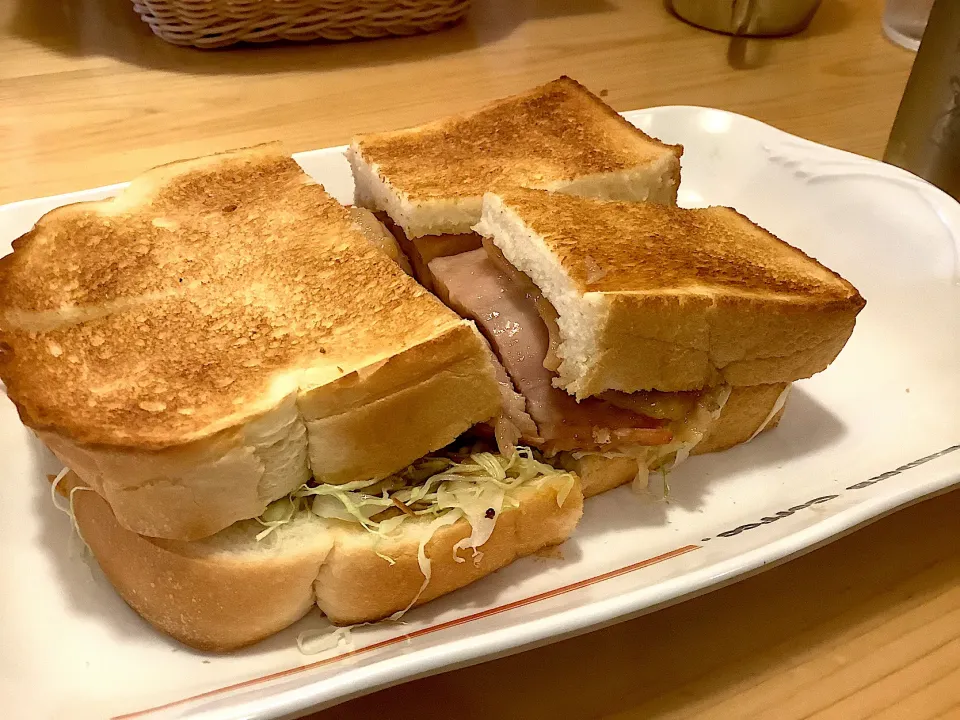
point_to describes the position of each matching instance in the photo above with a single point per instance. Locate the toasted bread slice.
(652, 297)
(230, 590)
(559, 136)
(199, 345)
(377, 232)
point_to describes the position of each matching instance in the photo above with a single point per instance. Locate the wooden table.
(866, 627)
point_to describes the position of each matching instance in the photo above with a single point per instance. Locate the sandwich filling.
(658, 429)
(468, 480)
(510, 311)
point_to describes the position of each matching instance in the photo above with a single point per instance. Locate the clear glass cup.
(905, 20)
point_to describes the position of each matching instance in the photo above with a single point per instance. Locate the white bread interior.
(656, 181)
(580, 316)
(229, 590)
(382, 417)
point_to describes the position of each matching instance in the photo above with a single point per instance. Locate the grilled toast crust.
(193, 302)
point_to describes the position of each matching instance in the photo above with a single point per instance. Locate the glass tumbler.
(905, 20)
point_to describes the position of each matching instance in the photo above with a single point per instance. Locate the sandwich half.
(637, 333)
(357, 552)
(261, 410)
(221, 332)
(427, 182)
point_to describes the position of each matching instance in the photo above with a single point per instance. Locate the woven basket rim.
(220, 23)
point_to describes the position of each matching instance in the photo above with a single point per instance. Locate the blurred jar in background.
(905, 20)
(747, 17)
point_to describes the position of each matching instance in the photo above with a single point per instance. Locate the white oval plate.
(879, 430)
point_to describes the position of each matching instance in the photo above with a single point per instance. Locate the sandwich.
(427, 183)
(260, 409)
(639, 333)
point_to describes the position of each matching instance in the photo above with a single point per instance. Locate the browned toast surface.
(200, 296)
(550, 134)
(621, 247)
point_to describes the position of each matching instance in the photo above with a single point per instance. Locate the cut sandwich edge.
(579, 317)
(727, 338)
(417, 218)
(747, 413)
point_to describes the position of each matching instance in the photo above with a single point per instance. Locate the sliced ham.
(548, 313)
(515, 407)
(506, 312)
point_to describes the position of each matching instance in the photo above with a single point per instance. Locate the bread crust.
(678, 342)
(228, 591)
(205, 594)
(598, 473)
(387, 416)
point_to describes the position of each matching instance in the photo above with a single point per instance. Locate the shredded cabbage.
(422, 560)
(481, 506)
(698, 425)
(68, 510)
(664, 471)
(642, 479)
(53, 491)
(564, 491)
(278, 513)
(475, 486)
(693, 429)
(777, 407)
(687, 434)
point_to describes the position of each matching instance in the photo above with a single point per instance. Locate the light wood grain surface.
(866, 627)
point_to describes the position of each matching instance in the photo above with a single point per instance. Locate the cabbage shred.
(443, 488)
(471, 485)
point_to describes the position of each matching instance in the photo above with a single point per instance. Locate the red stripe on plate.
(423, 631)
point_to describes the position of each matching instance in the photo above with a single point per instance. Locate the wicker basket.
(218, 23)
